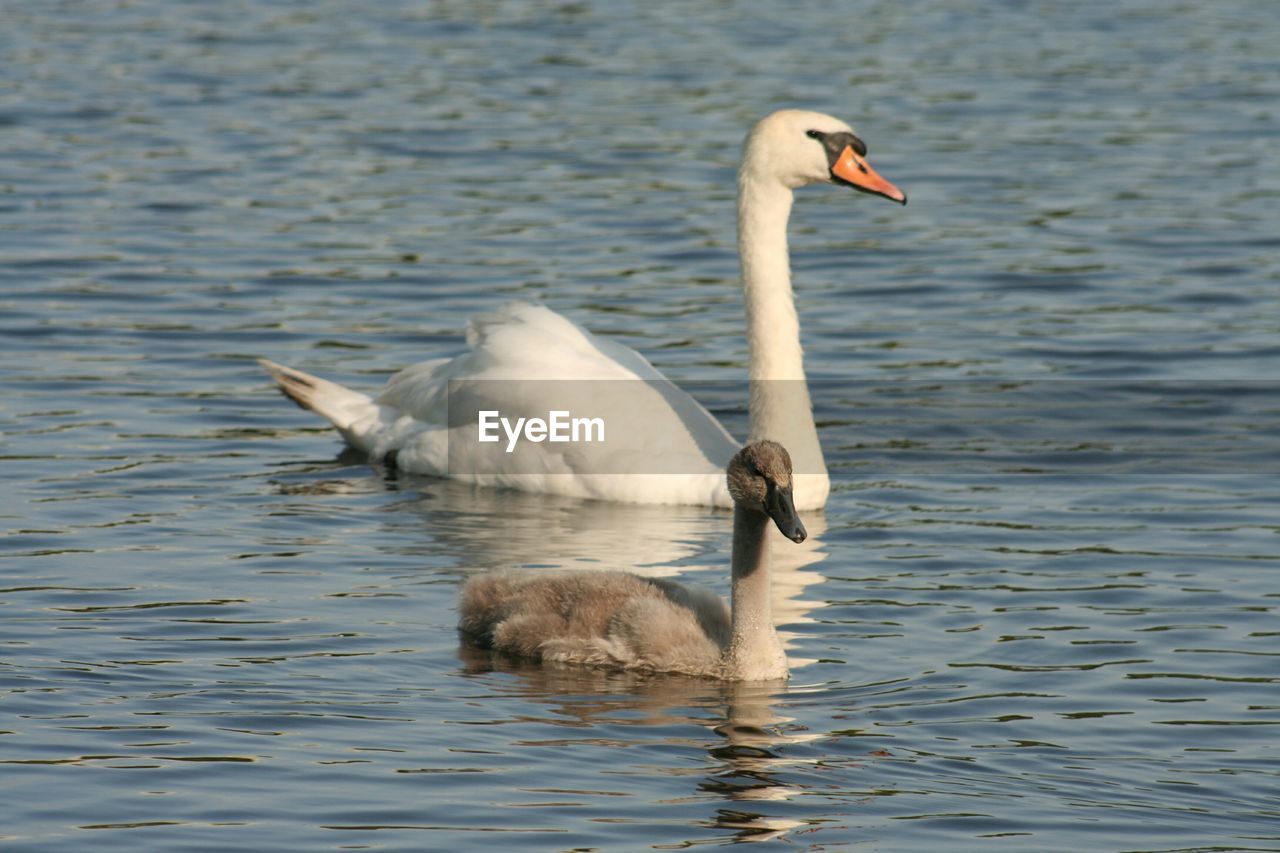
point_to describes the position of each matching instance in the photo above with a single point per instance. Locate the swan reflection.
(453, 523)
(744, 763)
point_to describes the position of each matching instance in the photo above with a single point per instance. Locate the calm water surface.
(217, 631)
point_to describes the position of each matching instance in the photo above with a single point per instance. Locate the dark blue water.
(1045, 624)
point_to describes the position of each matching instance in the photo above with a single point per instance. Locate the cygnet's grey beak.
(782, 509)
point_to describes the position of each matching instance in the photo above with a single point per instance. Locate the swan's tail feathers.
(346, 409)
(484, 603)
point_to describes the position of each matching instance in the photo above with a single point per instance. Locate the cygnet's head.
(760, 480)
(798, 147)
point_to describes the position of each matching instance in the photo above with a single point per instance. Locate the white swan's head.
(798, 147)
(759, 478)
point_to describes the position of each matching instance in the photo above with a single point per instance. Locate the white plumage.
(530, 343)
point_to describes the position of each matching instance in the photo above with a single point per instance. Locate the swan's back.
(525, 361)
(608, 619)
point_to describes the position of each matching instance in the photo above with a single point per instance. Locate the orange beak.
(857, 173)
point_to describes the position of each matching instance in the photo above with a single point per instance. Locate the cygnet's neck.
(779, 404)
(755, 653)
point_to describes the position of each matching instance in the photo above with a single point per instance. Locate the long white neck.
(780, 406)
(755, 652)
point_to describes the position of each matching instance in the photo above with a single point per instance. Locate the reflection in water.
(743, 764)
(484, 529)
(754, 731)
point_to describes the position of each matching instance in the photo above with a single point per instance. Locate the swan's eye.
(814, 134)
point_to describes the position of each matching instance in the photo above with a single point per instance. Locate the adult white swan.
(659, 445)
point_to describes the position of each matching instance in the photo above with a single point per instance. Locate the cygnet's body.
(619, 620)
